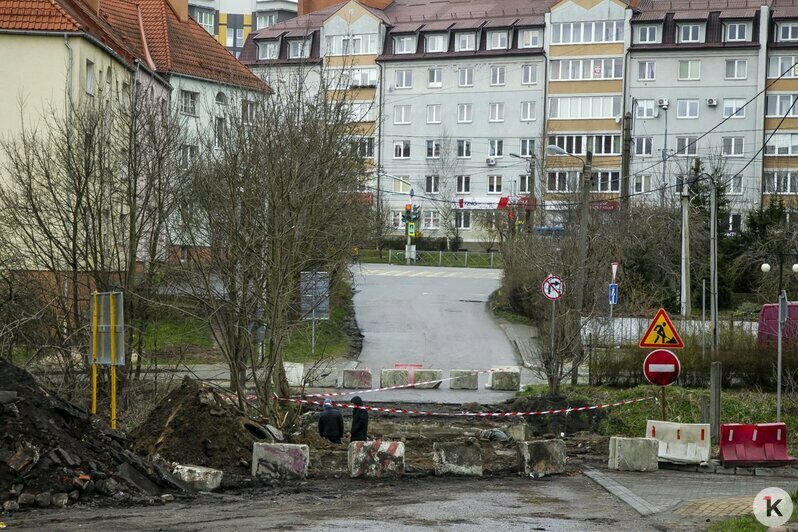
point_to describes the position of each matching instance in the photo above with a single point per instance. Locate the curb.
(715, 467)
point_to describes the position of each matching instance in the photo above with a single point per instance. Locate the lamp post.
(529, 223)
(782, 319)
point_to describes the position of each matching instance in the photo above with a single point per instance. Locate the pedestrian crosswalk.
(448, 273)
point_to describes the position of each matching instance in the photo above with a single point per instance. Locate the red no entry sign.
(662, 367)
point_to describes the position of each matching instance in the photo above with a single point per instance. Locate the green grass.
(166, 333)
(331, 338)
(748, 523)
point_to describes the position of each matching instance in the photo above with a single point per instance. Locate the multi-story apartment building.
(231, 21)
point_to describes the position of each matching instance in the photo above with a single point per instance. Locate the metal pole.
(703, 319)
(313, 331)
(685, 285)
(390, 252)
(714, 400)
(713, 263)
(626, 156)
(553, 317)
(782, 315)
(664, 159)
(664, 408)
(612, 327)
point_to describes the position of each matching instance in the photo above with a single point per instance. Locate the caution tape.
(468, 414)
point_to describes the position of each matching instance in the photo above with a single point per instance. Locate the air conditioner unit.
(491, 161)
(712, 102)
(663, 102)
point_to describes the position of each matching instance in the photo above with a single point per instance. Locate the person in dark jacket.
(331, 423)
(360, 421)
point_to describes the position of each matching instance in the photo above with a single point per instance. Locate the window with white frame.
(644, 146)
(496, 113)
(363, 77)
(781, 144)
(434, 113)
(527, 148)
(578, 69)
(432, 184)
(582, 107)
(780, 182)
(783, 66)
(401, 184)
(647, 34)
(735, 222)
(496, 148)
(431, 219)
(733, 108)
(401, 149)
(686, 146)
(433, 149)
(91, 78)
(404, 79)
(206, 19)
(587, 32)
(268, 50)
(365, 147)
(497, 40)
(231, 37)
(781, 105)
(435, 43)
(529, 39)
(405, 44)
(562, 181)
(463, 184)
(465, 42)
(733, 146)
(435, 78)
(736, 31)
(606, 181)
(580, 144)
(188, 154)
(363, 111)
(218, 132)
(401, 114)
(396, 219)
(188, 102)
(690, 70)
(788, 31)
(494, 184)
(464, 115)
(298, 48)
(641, 184)
(523, 184)
(646, 70)
(465, 77)
(355, 44)
(644, 108)
(690, 33)
(687, 108)
(529, 74)
(528, 111)
(497, 75)
(736, 69)
(264, 20)
(462, 219)
(464, 148)
(247, 112)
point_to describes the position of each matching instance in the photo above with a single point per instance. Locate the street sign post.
(315, 300)
(552, 287)
(661, 333)
(662, 367)
(613, 294)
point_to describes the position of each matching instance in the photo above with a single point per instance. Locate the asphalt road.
(436, 317)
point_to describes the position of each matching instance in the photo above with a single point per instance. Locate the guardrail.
(457, 259)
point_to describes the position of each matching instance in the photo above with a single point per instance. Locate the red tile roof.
(35, 15)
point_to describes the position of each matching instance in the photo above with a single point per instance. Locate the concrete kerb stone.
(541, 458)
(356, 378)
(506, 379)
(457, 458)
(394, 377)
(280, 460)
(464, 379)
(198, 477)
(425, 375)
(633, 454)
(376, 459)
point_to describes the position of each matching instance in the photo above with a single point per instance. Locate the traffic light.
(407, 216)
(415, 213)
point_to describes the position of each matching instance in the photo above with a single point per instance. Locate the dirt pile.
(194, 425)
(52, 453)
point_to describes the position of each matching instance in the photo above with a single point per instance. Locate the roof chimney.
(180, 7)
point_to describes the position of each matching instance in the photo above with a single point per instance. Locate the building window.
(781, 144)
(363, 77)
(647, 35)
(528, 111)
(733, 107)
(579, 144)
(298, 48)
(401, 114)
(401, 149)
(432, 184)
(188, 155)
(581, 107)
(529, 39)
(465, 77)
(463, 184)
(780, 105)
(352, 44)
(646, 71)
(735, 223)
(527, 148)
(431, 219)
(264, 20)
(188, 102)
(434, 114)
(464, 148)
(401, 185)
(396, 219)
(494, 184)
(641, 184)
(464, 115)
(497, 40)
(91, 78)
(365, 147)
(587, 32)
(689, 70)
(404, 45)
(436, 43)
(686, 108)
(465, 42)
(781, 182)
(496, 148)
(231, 37)
(523, 184)
(434, 78)
(433, 149)
(529, 74)
(247, 113)
(644, 146)
(268, 50)
(462, 219)
(218, 132)
(578, 69)
(784, 66)
(404, 79)
(562, 181)
(690, 33)
(605, 181)
(736, 31)
(644, 109)
(206, 19)
(496, 112)
(686, 146)
(497, 75)
(733, 146)
(736, 69)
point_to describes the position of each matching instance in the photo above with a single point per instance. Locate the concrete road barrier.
(280, 460)
(198, 477)
(394, 377)
(466, 379)
(633, 454)
(540, 458)
(321, 377)
(680, 443)
(375, 459)
(457, 458)
(424, 375)
(356, 378)
(506, 379)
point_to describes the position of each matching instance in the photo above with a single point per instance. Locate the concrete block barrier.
(198, 477)
(376, 459)
(356, 379)
(466, 379)
(633, 454)
(457, 458)
(506, 379)
(761, 444)
(280, 460)
(394, 377)
(424, 375)
(680, 443)
(521, 431)
(540, 458)
(322, 377)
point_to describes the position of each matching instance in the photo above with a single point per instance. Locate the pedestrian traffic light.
(416, 213)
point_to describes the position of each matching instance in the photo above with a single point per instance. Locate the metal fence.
(629, 331)
(461, 259)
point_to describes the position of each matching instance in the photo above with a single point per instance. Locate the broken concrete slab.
(464, 379)
(521, 431)
(375, 459)
(457, 458)
(294, 373)
(506, 379)
(541, 458)
(426, 375)
(280, 460)
(394, 377)
(134, 478)
(633, 454)
(356, 378)
(198, 477)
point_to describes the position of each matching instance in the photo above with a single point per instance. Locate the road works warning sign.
(662, 333)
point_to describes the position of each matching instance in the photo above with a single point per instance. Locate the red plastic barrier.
(760, 444)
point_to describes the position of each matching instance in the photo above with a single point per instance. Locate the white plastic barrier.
(680, 443)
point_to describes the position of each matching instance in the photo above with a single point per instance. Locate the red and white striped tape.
(471, 414)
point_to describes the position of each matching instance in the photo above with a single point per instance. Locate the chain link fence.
(457, 259)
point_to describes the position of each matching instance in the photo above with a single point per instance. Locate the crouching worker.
(331, 423)
(360, 421)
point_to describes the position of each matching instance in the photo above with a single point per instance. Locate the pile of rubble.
(53, 454)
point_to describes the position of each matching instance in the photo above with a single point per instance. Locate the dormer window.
(529, 39)
(436, 43)
(497, 40)
(647, 35)
(299, 49)
(268, 50)
(736, 31)
(788, 32)
(405, 44)
(465, 42)
(690, 33)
